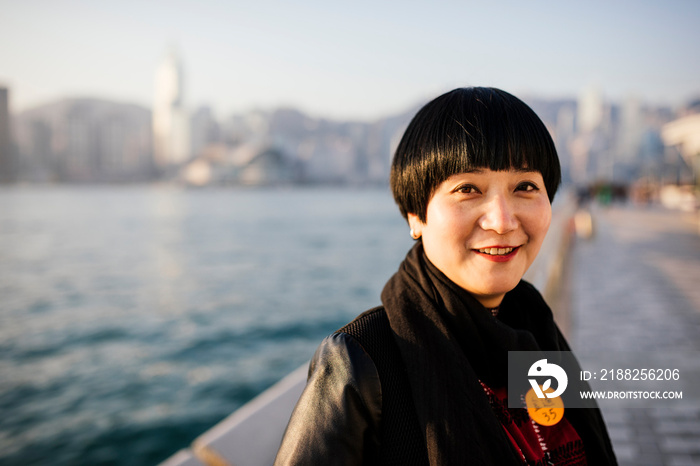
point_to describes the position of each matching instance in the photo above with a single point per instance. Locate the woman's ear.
(416, 225)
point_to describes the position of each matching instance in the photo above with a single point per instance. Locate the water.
(132, 319)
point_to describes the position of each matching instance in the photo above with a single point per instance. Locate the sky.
(348, 60)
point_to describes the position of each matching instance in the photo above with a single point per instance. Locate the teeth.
(496, 251)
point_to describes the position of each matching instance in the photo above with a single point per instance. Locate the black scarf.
(449, 341)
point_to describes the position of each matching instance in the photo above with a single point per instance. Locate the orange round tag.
(544, 411)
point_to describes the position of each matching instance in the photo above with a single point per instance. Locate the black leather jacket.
(357, 407)
(336, 421)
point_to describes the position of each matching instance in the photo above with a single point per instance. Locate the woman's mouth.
(498, 254)
(496, 251)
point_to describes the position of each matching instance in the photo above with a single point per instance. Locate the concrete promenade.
(635, 286)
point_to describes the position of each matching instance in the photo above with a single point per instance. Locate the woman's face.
(484, 228)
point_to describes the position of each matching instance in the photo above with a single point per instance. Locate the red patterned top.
(557, 445)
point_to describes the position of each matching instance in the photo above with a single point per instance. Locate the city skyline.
(357, 61)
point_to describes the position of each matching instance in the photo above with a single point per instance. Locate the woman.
(421, 380)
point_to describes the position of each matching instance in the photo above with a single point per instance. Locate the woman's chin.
(493, 291)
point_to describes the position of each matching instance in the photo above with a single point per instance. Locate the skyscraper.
(7, 165)
(170, 122)
(591, 110)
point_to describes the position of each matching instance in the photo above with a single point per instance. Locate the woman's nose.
(499, 216)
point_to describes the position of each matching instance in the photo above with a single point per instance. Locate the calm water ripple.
(132, 319)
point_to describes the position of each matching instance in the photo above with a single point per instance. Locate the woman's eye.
(527, 187)
(467, 189)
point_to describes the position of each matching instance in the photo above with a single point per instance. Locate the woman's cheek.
(543, 220)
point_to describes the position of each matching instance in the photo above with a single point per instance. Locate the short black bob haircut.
(467, 129)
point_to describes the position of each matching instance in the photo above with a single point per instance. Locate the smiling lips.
(498, 253)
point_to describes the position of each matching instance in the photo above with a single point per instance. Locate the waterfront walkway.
(635, 286)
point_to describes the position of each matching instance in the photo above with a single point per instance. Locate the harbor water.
(133, 318)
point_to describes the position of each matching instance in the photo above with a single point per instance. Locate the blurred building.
(204, 130)
(171, 125)
(85, 140)
(683, 135)
(40, 164)
(591, 110)
(592, 156)
(337, 151)
(7, 159)
(628, 141)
